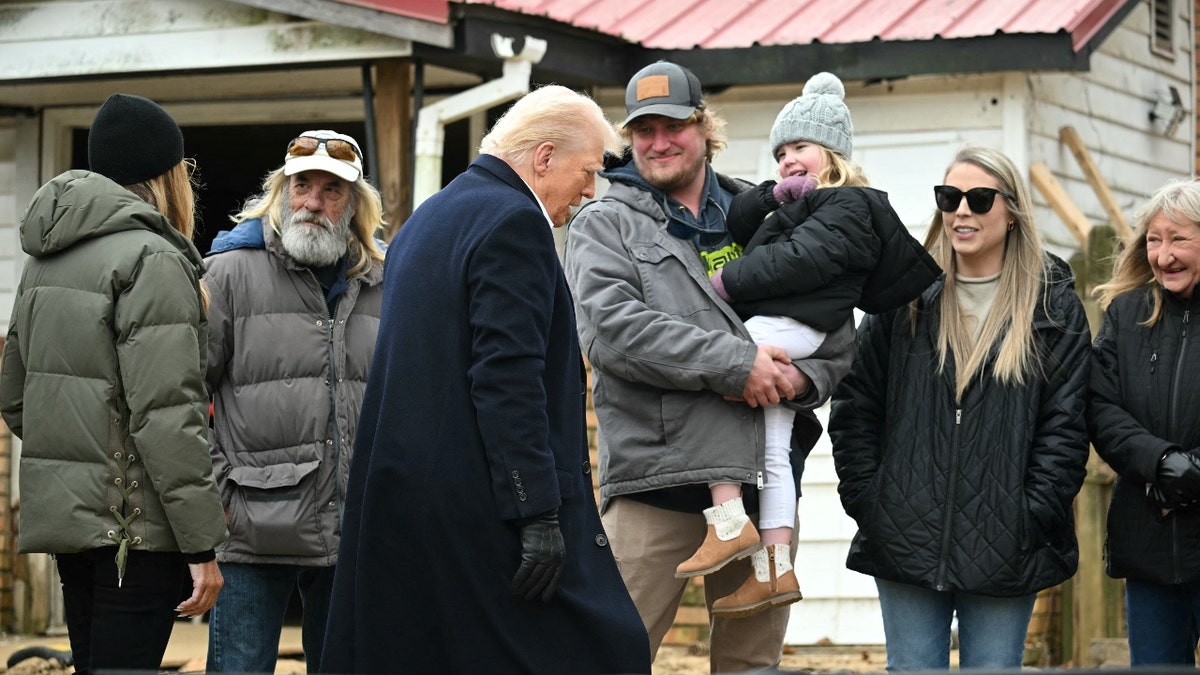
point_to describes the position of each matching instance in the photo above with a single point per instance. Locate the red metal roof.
(716, 24)
(427, 10)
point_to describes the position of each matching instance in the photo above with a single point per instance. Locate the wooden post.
(1115, 216)
(393, 131)
(8, 555)
(1060, 201)
(1096, 599)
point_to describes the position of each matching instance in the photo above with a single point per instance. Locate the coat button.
(601, 540)
(587, 468)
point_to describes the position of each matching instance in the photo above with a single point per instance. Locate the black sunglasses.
(979, 199)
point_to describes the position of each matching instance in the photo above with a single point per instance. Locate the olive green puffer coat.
(103, 377)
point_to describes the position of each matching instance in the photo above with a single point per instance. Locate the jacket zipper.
(335, 446)
(940, 582)
(1171, 416)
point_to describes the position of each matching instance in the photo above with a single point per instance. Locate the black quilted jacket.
(1144, 401)
(819, 257)
(975, 497)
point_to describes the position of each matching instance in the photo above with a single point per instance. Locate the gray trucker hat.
(662, 88)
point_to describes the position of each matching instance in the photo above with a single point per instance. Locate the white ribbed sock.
(762, 565)
(783, 559)
(727, 519)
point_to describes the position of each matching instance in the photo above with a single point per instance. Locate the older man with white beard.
(294, 303)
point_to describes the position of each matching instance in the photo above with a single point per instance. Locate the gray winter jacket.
(103, 377)
(287, 382)
(666, 350)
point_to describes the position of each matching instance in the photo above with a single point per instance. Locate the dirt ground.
(189, 643)
(672, 660)
(680, 660)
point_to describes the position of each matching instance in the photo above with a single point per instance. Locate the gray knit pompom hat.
(818, 115)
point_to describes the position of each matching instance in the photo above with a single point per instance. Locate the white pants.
(777, 503)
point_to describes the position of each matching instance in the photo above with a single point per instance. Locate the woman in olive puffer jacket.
(103, 380)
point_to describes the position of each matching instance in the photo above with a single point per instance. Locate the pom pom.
(825, 84)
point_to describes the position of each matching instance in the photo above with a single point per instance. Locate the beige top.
(975, 297)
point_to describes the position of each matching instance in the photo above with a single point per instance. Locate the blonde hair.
(1022, 276)
(712, 124)
(839, 171)
(552, 113)
(173, 194)
(367, 220)
(1178, 200)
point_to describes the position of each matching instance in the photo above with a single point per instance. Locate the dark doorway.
(231, 162)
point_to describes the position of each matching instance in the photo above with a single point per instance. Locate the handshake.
(1177, 482)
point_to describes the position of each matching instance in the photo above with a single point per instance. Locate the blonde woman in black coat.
(958, 435)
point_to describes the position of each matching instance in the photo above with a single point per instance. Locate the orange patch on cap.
(652, 86)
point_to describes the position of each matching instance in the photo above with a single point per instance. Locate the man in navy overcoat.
(471, 541)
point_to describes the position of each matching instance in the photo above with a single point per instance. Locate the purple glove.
(719, 285)
(792, 188)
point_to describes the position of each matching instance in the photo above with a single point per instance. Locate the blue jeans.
(245, 624)
(126, 627)
(916, 626)
(1163, 622)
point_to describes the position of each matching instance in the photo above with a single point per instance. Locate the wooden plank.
(393, 115)
(124, 19)
(1060, 201)
(291, 44)
(1092, 173)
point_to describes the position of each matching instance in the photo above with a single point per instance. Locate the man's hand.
(542, 555)
(796, 377)
(206, 584)
(767, 385)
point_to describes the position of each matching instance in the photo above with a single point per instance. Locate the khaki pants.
(649, 543)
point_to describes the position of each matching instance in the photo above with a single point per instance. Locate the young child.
(817, 244)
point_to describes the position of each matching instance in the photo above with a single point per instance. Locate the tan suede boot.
(731, 536)
(772, 584)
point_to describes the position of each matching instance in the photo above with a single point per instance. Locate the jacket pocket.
(662, 276)
(569, 483)
(272, 510)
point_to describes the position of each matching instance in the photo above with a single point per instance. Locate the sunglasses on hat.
(303, 146)
(979, 199)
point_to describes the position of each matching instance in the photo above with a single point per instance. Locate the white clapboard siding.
(98, 37)
(839, 606)
(11, 206)
(1109, 108)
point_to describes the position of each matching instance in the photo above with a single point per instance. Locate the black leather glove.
(542, 557)
(1159, 504)
(1178, 478)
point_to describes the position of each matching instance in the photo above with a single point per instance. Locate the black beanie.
(133, 139)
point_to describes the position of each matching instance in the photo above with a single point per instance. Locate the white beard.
(314, 246)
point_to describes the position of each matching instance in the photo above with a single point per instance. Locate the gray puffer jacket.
(103, 377)
(666, 350)
(287, 382)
